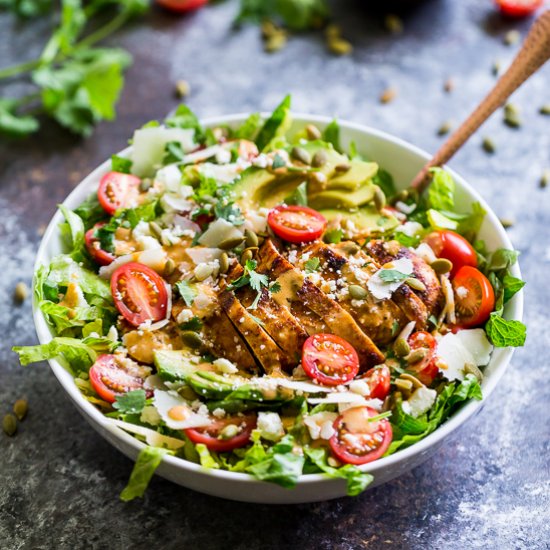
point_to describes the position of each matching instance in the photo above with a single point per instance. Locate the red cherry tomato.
(296, 224)
(453, 247)
(358, 441)
(212, 436)
(110, 378)
(329, 359)
(474, 297)
(425, 369)
(117, 190)
(102, 257)
(182, 6)
(518, 8)
(378, 379)
(140, 293)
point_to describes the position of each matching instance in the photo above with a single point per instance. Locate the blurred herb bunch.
(73, 81)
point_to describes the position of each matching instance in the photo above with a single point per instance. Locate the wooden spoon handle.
(534, 52)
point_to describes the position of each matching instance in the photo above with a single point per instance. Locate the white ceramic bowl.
(403, 161)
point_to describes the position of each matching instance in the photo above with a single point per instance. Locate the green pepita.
(416, 356)
(488, 145)
(183, 89)
(333, 31)
(506, 222)
(357, 292)
(495, 69)
(275, 42)
(145, 185)
(393, 24)
(339, 46)
(470, 368)
(169, 267)
(319, 159)
(224, 262)
(20, 408)
(269, 28)
(415, 284)
(301, 154)
(388, 95)
(545, 109)
(405, 385)
(191, 339)
(379, 199)
(251, 239)
(512, 115)
(449, 85)
(442, 266)
(545, 179)
(313, 132)
(401, 347)
(21, 292)
(512, 37)
(413, 379)
(231, 242)
(344, 167)
(246, 256)
(9, 424)
(155, 229)
(445, 128)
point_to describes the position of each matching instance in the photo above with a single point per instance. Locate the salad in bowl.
(255, 299)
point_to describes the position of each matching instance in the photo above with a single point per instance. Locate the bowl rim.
(92, 414)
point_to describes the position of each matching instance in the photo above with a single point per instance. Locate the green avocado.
(359, 173)
(175, 366)
(337, 198)
(366, 219)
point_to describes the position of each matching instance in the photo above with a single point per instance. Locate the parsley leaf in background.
(131, 402)
(503, 333)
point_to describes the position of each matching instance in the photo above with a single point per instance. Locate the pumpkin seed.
(388, 95)
(402, 384)
(251, 239)
(344, 167)
(415, 382)
(506, 222)
(20, 408)
(470, 368)
(9, 424)
(545, 179)
(449, 85)
(231, 242)
(488, 145)
(187, 393)
(357, 292)
(415, 284)
(416, 356)
(442, 266)
(445, 128)
(545, 109)
(319, 158)
(269, 28)
(379, 199)
(169, 267)
(224, 262)
(339, 46)
(275, 42)
(145, 185)
(496, 68)
(230, 431)
(313, 132)
(401, 347)
(351, 248)
(21, 292)
(512, 37)
(183, 89)
(333, 31)
(246, 255)
(393, 23)
(203, 271)
(191, 339)
(301, 154)
(512, 115)
(155, 229)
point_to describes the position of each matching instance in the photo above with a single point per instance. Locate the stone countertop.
(487, 486)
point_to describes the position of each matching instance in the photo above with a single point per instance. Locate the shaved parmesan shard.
(219, 231)
(420, 401)
(151, 437)
(169, 402)
(270, 426)
(320, 425)
(149, 146)
(454, 351)
(202, 255)
(155, 259)
(382, 290)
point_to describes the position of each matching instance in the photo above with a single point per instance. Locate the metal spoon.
(534, 53)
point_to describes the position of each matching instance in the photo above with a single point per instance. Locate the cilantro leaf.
(312, 265)
(299, 196)
(229, 212)
(187, 292)
(512, 285)
(207, 187)
(131, 402)
(275, 287)
(333, 236)
(393, 275)
(503, 333)
(257, 280)
(121, 164)
(275, 125)
(331, 134)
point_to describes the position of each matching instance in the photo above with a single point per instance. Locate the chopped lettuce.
(249, 128)
(331, 135)
(184, 118)
(441, 190)
(275, 126)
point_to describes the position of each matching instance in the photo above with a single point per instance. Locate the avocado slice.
(367, 219)
(351, 180)
(337, 198)
(175, 366)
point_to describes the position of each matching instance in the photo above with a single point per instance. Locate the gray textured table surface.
(488, 486)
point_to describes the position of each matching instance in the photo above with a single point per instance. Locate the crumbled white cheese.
(170, 177)
(225, 366)
(150, 415)
(420, 401)
(320, 425)
(148, 243)
(223, 156)
(410, 229)
(218, 413)
(155, 259)
(382, 290)
(361, 387)
(141, 230)
(270, 426)
(261, 161)
(112, 334)
(222, 173)
(184, 316)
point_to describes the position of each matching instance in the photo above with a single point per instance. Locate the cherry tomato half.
(102, 257)
(329, 359)
(358, 441)
(117, 190)
(140, 293)
(296, 224)
(453, 247)
(212, 436)
(474, 297)
(425, 369)
(518, 8)
(110, 378)
(182, 6)
(378, 380)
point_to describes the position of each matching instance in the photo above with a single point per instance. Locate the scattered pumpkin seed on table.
(20, 408)
(21, 292)
(545, 179)
(545, 109)
(393, 23)
(506, 222)
(512, 37)
(512, 115)
(388, 95)
(183, 89)
(339, 46)
(449, 85)
(9, 424)
(445, 128)
(488, 145)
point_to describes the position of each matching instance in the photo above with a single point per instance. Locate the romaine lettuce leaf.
(276, 125)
